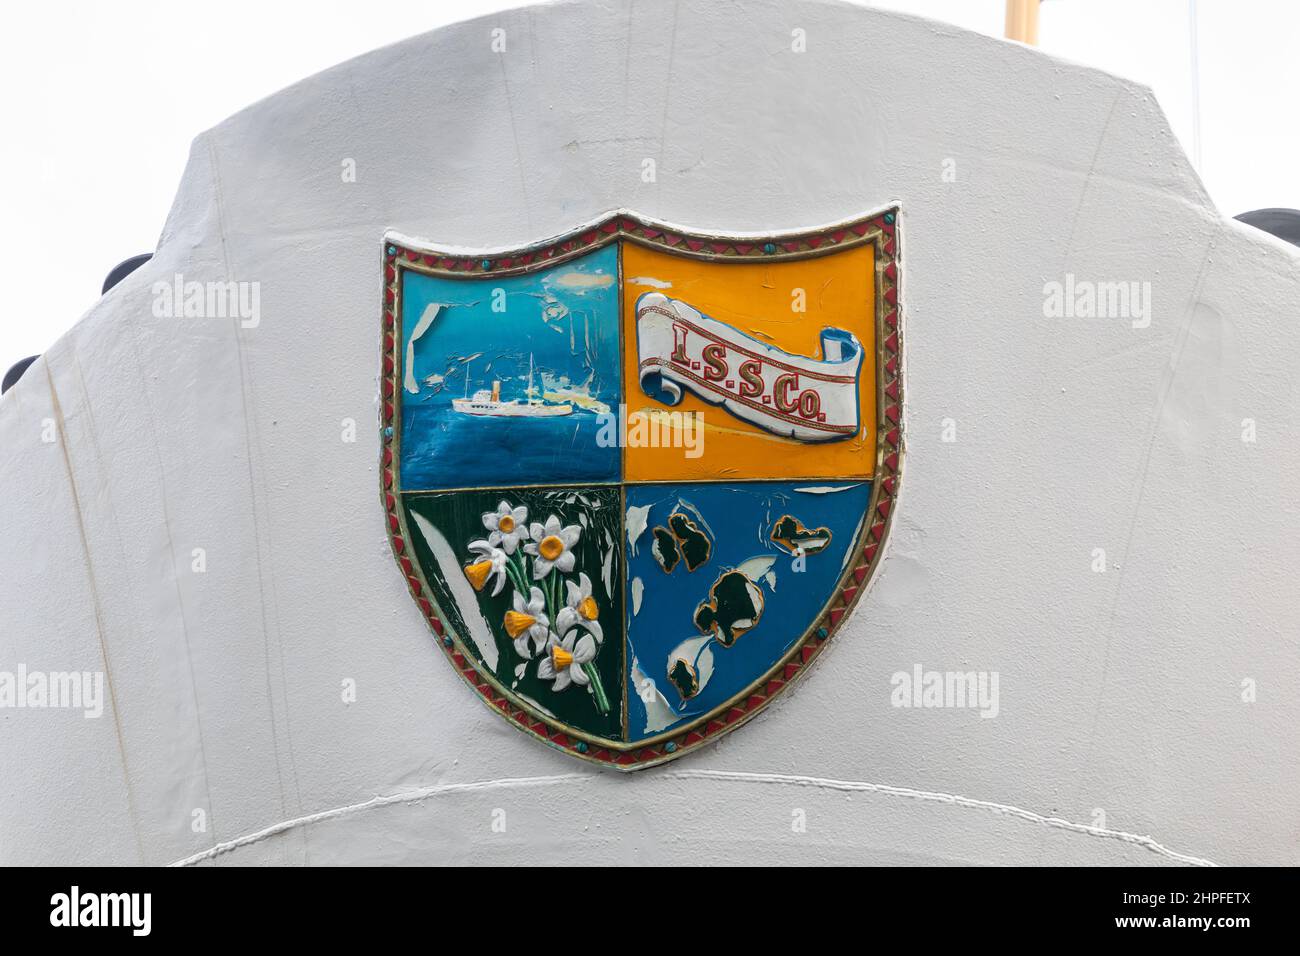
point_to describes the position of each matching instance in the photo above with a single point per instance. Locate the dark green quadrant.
(458, 517)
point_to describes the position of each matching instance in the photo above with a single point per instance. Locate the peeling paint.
(659, 713)
(637, 516)
(431, 312)
(466, 601)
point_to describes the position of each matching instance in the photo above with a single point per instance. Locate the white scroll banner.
(794, 396)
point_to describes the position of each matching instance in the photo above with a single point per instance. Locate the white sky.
(99, 102)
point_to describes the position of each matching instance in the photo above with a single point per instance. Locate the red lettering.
(715, 362)
(679, 345)
(781, 392)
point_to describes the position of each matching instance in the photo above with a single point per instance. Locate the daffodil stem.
(555, 595)
(597, 688)
(516, 578)
(521, 569)
(550, 603)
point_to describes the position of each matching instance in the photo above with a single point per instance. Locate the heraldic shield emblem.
(636, 476)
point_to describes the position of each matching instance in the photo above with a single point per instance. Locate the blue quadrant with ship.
(526, 409)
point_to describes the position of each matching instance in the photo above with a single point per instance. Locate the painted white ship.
(489, 403)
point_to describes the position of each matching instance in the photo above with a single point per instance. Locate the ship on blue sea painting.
(525, 412)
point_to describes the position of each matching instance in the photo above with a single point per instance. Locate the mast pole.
(1022, 21)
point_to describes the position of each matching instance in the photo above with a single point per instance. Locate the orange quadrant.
(782, 304)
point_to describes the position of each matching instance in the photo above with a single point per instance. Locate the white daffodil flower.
(581, 609)
(508, 526)
(552, 546)
(528, 620)
(491, 564)
(564, 659)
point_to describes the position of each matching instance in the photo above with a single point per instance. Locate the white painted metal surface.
(1120, 692)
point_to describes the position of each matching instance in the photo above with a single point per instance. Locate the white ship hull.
(468, 406)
